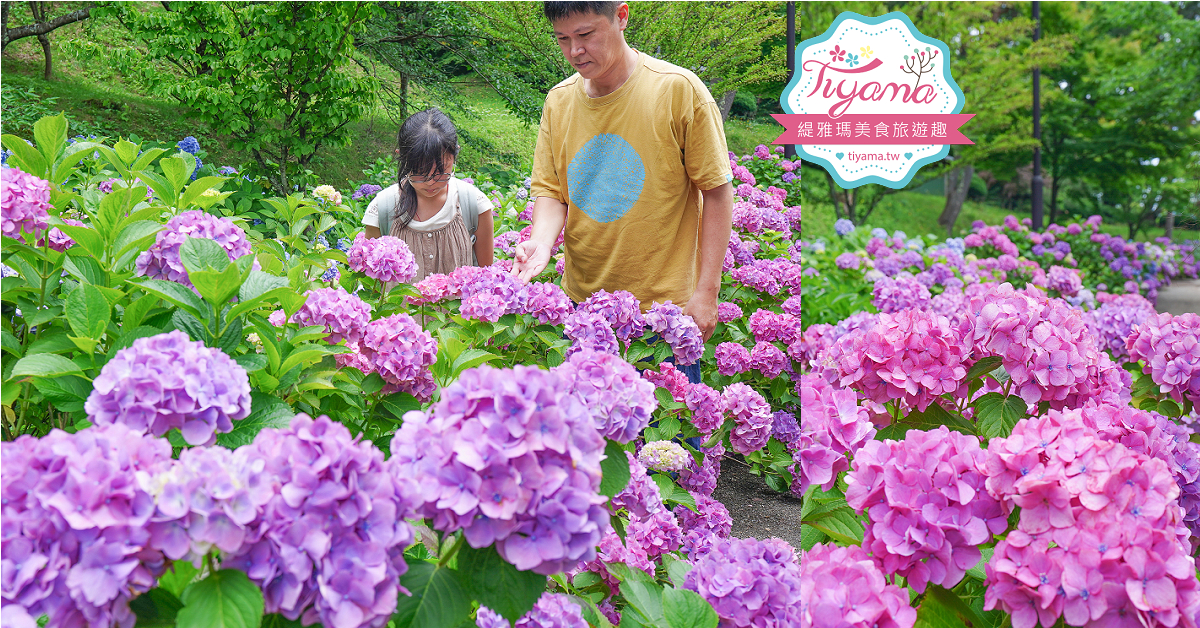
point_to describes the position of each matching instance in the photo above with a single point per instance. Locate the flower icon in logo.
(837, 53)
(852, 60)
(866, 52)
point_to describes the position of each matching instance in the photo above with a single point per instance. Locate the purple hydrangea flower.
(784, 427)
(552, 610)
(749, 582)
(702, 478)
(900, 293)
(843, 227)
(24, 200)
(842, 586)
(60, 241)
(365, 191)
(622, 311)
(728, 312)
(732, 358)
(706, 406)
(547, 303)
(342, 314)
(708, 524)
(76, 546)
(678, 330)
(400, 350)
(768, 360)
(385, 258)
(751, 415)
(329, 542)
(848, 261)
(512, 459)
(227, 170)
(620, 400)
(1115, 320)
(590, 331)
(161, 260)
(768, 326)
(207, 499)
(170, 381)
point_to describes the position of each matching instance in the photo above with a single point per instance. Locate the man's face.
(592, 43)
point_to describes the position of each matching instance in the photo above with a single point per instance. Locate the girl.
(429, 209)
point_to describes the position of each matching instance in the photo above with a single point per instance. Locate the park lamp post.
(789, 150)
(1036, 192)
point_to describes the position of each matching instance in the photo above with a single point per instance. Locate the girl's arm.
(371, 232)
(484, 239)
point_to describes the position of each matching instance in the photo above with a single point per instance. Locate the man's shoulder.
(677, 77)
(564, 87)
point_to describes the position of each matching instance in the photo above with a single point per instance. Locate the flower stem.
(451, 552)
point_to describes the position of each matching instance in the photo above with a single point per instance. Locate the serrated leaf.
(672, 492)
(998, 415)
(199, 254)
(614, 469)
(840, 524)
(87, 311)
(647, 598)
(175, 293)
(258, 284)
(156, 608)
(44, 365)
(437, 601)
(497, 584)
(225, 599)
(686, 609)
(266, 411)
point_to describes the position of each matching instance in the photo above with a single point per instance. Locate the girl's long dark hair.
(425, 139)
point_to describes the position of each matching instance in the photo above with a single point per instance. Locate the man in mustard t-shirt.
(631, 157)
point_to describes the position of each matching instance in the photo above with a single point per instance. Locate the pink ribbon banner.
(872, 129)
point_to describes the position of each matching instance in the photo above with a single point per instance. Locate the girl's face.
(432, 184)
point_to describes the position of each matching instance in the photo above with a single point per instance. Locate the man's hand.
(703, 310)
(532, 258)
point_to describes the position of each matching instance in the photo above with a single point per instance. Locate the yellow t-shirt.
(630, 167)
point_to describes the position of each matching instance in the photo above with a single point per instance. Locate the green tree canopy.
(276, 77)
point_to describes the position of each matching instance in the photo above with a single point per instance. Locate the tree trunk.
(833, 198)
(1169, 228)
(44, 40)
(727, 104)
(42, 26)
(958, 183)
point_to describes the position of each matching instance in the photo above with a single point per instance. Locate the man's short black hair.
(555, 11)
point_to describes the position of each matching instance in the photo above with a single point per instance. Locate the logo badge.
(872, 100)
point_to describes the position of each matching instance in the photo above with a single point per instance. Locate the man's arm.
(715, 226)
(549, 217)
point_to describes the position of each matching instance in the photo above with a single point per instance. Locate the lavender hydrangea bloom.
(678, 330)
(547, 303)
(843, 227)
(749, 582)
(702, 478)
(728, 312)
(399, 348)
(170, 381)
(900, 293)
(751, 415)
(60, 241)
(1115, 320)
(333, 532)
(75, 545)
(385, 258)
(343, 315)
(732, 358)
(512, 459)
(621, 309)
(620, 400)
(24, 200)
(706, 406)
(653, 535)
(206, 499)
(785, 428)
(552, 610)
(710, 522)
(589, 331)
(365, 191)
(161, 260)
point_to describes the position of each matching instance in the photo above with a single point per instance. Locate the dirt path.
(757, 511)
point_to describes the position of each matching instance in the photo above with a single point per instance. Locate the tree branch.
(33, 30)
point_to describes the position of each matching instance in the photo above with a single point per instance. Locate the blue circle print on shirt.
(605, 178)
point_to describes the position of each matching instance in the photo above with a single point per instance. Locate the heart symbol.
(840, 155)
(908, 155)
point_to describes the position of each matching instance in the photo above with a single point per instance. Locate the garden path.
(757, 511)
(1181, 297)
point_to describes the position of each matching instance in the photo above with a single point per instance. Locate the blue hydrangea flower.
(4, 153)
(227, 170)
(879, 233)
(189, 144)
(196, 172)
(843, 227)
(900, 234)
